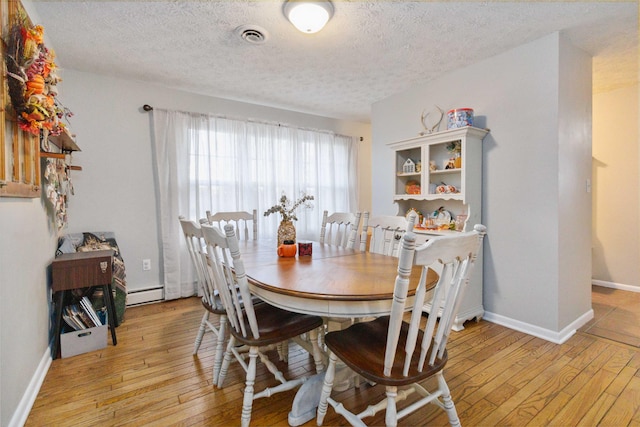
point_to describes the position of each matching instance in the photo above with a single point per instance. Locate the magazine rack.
(78, 271)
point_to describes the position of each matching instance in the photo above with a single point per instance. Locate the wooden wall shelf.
(64, 141)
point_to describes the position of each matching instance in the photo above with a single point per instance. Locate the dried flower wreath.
(32, 86)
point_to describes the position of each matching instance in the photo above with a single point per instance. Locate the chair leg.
(283, 351)
(217, 359)
(247, 402)
(326, 388)
(226, 361)
(317, 353)
(449, 406)
(201, 331)
(391, 415)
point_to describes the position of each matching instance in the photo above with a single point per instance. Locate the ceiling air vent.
(252, 34)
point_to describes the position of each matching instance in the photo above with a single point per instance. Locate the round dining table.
(334, 283)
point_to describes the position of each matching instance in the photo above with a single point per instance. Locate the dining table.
(336, 283)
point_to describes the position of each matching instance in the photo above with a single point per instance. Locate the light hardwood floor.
(616, 315)
(497, 376)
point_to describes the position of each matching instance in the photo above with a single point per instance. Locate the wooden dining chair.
(382, 351)
(210, 300)
(245, 223)
(259, 327)
(340, 228)
(384, 233)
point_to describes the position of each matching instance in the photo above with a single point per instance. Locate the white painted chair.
(386, 232)
(259, 326)
(210, 300)
(382, 351)
(245, 223)
(340, 228)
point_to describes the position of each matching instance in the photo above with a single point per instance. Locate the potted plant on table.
(287, 208)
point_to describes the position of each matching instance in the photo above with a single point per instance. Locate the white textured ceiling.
(368, 51)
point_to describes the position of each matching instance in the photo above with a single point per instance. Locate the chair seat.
(277, 325)
(362, 347)
(219, 308)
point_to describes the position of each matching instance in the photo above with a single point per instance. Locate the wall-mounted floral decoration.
(32, 80)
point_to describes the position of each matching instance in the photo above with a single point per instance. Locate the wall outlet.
(146, 264)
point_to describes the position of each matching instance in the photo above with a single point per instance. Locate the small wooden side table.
(81, 270)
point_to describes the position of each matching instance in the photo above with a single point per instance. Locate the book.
(72, 317)
(81, 315)
(88, 308)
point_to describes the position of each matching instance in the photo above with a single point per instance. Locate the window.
(239, 165)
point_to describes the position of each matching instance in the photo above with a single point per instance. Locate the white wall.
(518, 95)
(574, 192)
(616, 184)
(27, 246)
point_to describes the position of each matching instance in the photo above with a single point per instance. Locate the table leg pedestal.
(307, 398)
(306, 401)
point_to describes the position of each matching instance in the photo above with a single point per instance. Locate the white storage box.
(78, 342)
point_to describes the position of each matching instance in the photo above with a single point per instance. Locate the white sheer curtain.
(219, 164)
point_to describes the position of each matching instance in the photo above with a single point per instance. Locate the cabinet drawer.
(81, 269)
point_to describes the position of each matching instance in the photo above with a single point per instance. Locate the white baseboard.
(546, 334)
(26, 403)
(145, 296)
(615, 285)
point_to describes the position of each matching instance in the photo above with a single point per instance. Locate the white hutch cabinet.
(447, 189)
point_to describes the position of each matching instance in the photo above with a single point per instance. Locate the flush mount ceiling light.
(308, 16)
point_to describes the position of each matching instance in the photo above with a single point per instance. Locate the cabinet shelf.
(446, 171)
(426, 197)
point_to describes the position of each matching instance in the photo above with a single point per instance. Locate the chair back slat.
(196, 247)
(386, 232)
(457, 255)
(244, 223)
(405, 262)
(416, 317)
(230, 278)
(340, 228)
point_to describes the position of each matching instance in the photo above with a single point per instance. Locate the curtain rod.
(147, 107)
